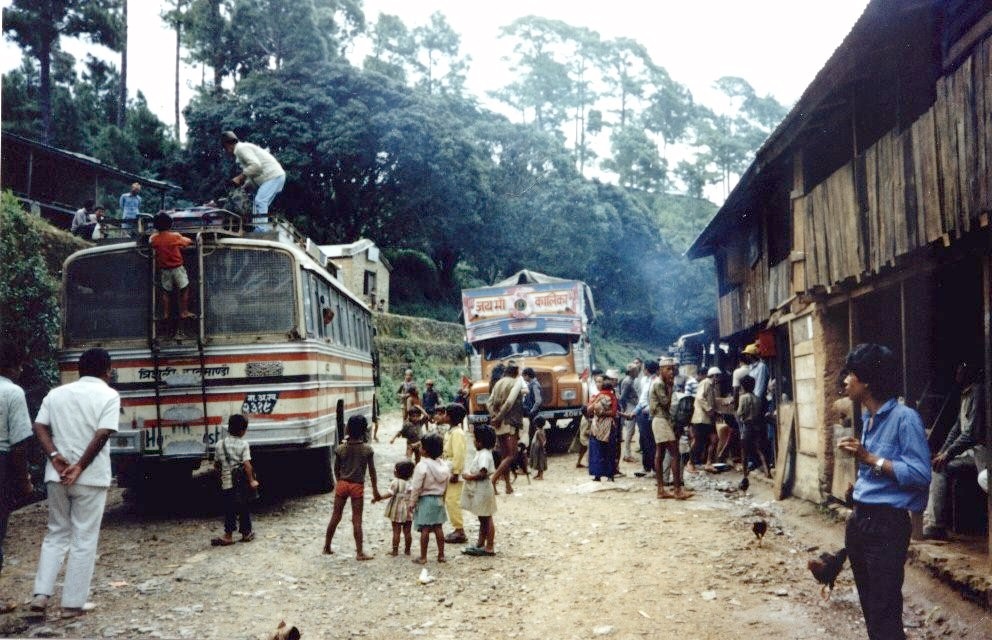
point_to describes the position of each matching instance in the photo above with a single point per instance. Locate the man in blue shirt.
(131, 205)
(893, 479)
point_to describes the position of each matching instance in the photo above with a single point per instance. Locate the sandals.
(248, 537)
(476, 551)
(221, 542)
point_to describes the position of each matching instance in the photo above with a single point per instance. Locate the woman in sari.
(604, 433)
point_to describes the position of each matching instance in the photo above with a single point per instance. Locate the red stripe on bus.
(260, 357)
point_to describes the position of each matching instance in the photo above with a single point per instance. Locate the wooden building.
(363, 269)
(55, 182)
(865, 218)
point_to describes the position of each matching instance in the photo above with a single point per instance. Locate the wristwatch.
(52, 455)
(878, 466)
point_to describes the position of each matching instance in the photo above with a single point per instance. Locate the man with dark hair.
(258, 167)
(73, 425)
(532, 400)
(628, 398)
(506, 414)
(893, 475)
(963, 450)
(15, 432)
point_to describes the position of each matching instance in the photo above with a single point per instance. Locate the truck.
(537, 321)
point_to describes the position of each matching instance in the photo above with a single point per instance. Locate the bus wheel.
(323, 465)
(560, 437)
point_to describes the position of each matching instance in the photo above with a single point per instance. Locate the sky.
(776, 45)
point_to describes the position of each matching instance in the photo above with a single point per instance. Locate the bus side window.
(325, 297)
(309, 313)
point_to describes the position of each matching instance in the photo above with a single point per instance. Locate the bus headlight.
(482, 399)
(569, 394)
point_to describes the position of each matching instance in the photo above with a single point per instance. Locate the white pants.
(74, 517)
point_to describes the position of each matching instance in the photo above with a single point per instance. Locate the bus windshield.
(247, 291)
(526, 346)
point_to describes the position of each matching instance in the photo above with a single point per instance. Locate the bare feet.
(682, 494)
(441, 559)
(328, 551)
(394, 552)
(419, 561)
(665, 494)
(362, 557)
(579, 465)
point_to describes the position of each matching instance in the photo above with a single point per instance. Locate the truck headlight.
(568, 394)
(482, 399)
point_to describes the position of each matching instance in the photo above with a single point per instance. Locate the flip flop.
(483, 552)
(473, 551)
(221, 542)
(248, 537)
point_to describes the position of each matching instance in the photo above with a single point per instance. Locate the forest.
(598, 175)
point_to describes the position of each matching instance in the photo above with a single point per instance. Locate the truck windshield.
(525, 347)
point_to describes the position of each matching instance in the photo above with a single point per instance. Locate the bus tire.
(560, 437)
(323, 480)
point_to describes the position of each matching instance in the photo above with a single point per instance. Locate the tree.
(209, 34)
(122, 96)
(636, 160)
(392, 48)
(269, 33)
(36, 27)
(670, 108)
(339, 22)
(437, 57)
(175, 16)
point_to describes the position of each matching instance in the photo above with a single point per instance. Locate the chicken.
(826, 568)
(759, 528)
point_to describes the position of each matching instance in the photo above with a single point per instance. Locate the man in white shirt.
(15, 431)
(73, 426)
(259, 167)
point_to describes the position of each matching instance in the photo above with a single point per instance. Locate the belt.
(869, 510)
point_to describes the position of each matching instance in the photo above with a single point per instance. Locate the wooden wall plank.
(912, 215)
(961, 80)
(946, 140)
(871, 186)
(927, 183)
(900, 234)
(986, 128)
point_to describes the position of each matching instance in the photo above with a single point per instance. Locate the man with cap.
(665, 438)
(703, 422)
(259, 167)
(130, 203)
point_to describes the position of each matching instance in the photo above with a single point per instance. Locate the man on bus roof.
(259, 167)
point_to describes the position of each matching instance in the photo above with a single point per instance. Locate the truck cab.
(535, 321)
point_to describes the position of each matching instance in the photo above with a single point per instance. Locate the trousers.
(453, 503)
(936, 514)
(74, 517)
(646, 439)
(877, 538)
(267, 192)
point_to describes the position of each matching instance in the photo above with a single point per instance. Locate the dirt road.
(575, 559)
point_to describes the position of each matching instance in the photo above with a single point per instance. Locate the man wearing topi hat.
(665, 438)
(703, 422)
(259, 167)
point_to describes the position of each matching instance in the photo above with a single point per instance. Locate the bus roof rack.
(200, 219)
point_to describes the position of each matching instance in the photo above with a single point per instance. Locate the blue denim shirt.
(896, 435)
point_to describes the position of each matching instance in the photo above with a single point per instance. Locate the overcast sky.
(777, 45)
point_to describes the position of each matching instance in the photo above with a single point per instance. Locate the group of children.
(422, 494)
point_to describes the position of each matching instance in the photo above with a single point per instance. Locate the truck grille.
(547, 389)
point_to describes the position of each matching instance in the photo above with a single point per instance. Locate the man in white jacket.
(260, 168)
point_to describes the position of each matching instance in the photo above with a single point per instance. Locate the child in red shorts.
(351, 460)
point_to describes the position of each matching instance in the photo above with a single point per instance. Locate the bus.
(275, 337)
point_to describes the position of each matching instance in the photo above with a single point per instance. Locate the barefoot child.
(538, 454)
(398, 509)
(351, 460)
(169, 262)
(454, 454)
(414, 418)
(430, 479)
(231, 453)
(479, 496)
(754, 437)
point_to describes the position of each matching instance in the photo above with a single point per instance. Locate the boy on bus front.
(169, 260)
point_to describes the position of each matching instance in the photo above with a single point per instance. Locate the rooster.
(826, 568)
(759, 528)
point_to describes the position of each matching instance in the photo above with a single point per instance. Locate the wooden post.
(987, 390)
(30, 170)
(902, 336)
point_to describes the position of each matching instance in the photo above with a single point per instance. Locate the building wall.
(352, 274)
